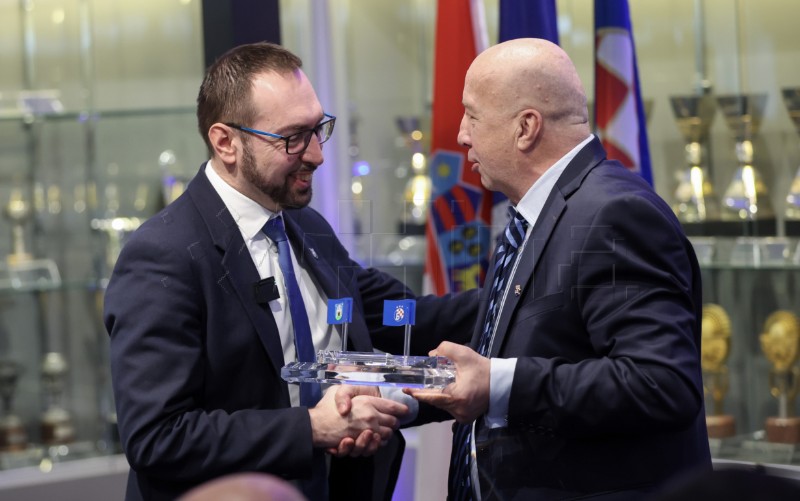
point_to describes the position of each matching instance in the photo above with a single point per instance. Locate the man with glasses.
(213, 295)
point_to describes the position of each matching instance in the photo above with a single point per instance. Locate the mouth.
(303, 178)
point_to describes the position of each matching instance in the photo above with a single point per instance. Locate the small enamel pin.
(313, 253)
(517, 290)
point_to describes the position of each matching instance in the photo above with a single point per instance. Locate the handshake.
(355, 420)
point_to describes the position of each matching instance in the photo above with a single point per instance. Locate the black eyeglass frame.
(323, 131)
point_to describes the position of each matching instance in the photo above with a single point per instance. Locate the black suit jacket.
(603, 315)
(196, 360)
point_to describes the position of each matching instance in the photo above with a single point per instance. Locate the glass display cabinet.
(97, 132)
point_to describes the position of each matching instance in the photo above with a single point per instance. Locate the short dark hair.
(225, 94)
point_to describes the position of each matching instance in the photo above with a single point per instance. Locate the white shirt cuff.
(500, 379)
(396, 394)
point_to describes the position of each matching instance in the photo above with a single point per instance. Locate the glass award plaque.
(372, 369)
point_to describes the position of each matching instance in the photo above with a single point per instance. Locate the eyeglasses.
(299, 141)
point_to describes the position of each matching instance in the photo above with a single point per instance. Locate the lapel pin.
(313, 252)
(517, 290)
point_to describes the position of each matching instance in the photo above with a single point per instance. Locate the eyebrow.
(297, 127)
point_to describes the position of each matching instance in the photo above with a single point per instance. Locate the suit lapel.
(240, 271)
(311, 250)
(523, 279)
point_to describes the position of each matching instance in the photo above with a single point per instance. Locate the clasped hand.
(354, 420)
(467, 397)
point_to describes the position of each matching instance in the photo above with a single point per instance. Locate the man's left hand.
(467, 397)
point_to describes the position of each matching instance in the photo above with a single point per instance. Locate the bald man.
(583, 374)
(245, 487)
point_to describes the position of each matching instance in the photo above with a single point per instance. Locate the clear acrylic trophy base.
(372, 369)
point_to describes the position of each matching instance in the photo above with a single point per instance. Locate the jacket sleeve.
(632, 313)
(171, 426)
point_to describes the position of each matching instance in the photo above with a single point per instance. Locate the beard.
(281, 194)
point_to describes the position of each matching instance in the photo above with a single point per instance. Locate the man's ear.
(529, 128)
(224, 142)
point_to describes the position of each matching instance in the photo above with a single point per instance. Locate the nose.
(463, 135)
(313, 154)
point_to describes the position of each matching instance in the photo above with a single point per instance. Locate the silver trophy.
(746, 198)
(694, 198)
(791, 98)
(18, 211)
(13, 436)
(56, 422)
(20, 269)
(372, 369)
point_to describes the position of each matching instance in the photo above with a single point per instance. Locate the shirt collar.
(531, 204)
(249, 215)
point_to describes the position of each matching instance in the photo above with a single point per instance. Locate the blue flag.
(528, 19)
(619, 111)
(399, 312)
(340, 311)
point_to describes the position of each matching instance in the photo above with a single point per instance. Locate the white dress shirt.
(251, 217)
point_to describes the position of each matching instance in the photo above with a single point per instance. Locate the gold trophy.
(780, 343)
(57, 427)
(13, 436)
(694, 198)
(714, 350)
(746, 198)
(791, 98)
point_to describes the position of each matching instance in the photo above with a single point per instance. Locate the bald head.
(245, 487)
(524, 109)
(533, 73)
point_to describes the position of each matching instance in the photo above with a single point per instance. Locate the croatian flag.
(457, 230)
(619, 112)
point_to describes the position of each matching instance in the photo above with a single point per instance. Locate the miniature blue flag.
(399, 312)
(340, 310)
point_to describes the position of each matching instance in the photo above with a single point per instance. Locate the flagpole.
(344, 335)
(407, 344)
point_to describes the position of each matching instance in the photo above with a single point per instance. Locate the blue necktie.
(310, 393)
(460, 480)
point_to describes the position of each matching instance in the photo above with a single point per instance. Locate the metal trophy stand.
(373, 369)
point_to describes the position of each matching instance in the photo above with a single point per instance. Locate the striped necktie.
(460, 479)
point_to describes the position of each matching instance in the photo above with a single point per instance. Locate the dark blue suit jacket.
(605, 323)
(196, 360)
